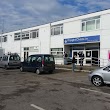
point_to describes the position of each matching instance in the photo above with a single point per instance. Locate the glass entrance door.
(75, 52)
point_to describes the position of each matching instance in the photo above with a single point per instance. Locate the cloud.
(19, 14)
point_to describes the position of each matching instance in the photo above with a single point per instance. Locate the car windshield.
(14, 58)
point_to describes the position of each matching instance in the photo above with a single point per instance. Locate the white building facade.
(89, 34)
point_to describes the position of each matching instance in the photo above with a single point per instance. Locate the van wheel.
(51, 71)
(21, 69)
(5, 67)
(37, 71)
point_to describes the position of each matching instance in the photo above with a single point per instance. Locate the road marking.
(37, 107)
(95, 91)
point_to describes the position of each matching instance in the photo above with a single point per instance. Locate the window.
(57, 52)
(14, 58)
(5, 58)
(39, 59)
(17, 36)
(3, 38)
(57, 30)
(25, 35)
(91, 23)
(34, 33)
(26, 48)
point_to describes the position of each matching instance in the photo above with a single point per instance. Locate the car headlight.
(91, 72)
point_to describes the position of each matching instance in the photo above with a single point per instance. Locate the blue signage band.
(95, 38)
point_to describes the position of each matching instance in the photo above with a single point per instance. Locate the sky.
(20, 14)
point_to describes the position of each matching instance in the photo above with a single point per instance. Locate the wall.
(105, 38)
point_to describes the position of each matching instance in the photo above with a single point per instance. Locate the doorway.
(75, 52)
(95, 57)
(26, 54)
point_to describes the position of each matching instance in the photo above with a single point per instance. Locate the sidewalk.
(69, 67)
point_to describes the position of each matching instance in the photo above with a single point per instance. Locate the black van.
(39, 63)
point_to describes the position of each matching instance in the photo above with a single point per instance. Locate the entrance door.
(95, 57)
(75, 52)
(26, 54)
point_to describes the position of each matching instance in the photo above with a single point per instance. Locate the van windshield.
(14, 58)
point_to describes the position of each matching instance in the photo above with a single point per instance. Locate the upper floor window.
(25, 35)
(57, 30)
(34, 33)
(3, 38)
(17, 36)
(91, 23)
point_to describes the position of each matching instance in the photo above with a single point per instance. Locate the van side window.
(33, 59)
(29, 59)
(5, 58)
(0, 58)
(39, 59)
(51, 58)
(14, 58)
(46, 59)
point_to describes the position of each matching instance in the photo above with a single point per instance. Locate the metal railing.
(100, 62)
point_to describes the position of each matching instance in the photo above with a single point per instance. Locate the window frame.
(85, 21)
(55, 51)
(55, 31)
(34, 31)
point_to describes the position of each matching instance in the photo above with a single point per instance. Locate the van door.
(49, 63)
(27, 63)
(36, 62)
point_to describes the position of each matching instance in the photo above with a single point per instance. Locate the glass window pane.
(83, 27)
(61, 29)
(57, 31)
(98, 24)
(90, 25)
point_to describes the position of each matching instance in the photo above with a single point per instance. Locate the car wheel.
(37, 71)
(97, 81)
(21, 69)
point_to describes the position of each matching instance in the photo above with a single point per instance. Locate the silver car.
(100, 76)
(10, 61)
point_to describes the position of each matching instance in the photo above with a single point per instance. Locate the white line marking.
(95, 91)
(37, 107)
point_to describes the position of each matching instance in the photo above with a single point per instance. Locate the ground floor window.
(57, 52)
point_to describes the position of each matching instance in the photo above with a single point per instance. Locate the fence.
(100, 62)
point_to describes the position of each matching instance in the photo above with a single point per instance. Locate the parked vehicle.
(39, 63)
(11, 60)
(100, 76)
(1, 52)
(67, 61)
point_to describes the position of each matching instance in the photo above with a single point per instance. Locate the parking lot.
(62, 90)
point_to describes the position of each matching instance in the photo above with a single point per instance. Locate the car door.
(106, 74)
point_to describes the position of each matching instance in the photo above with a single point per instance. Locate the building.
(87, 33)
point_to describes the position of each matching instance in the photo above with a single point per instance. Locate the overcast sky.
(18, 14)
